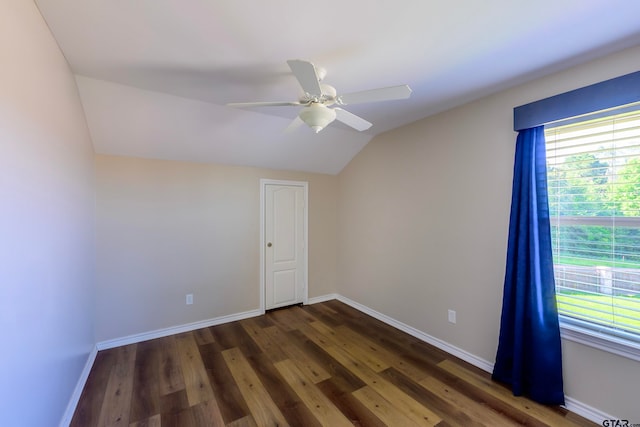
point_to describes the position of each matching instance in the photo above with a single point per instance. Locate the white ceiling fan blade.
(374, 95)
(295, 124)
(264, 104)
(307, 76)
(350, 119)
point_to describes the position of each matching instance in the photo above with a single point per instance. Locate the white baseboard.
(322, 298)
(586, 411)
(77, 391)
(159, 333)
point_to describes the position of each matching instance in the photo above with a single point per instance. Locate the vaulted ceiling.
(155, 75)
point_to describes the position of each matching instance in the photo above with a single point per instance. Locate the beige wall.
(47, 245)
(165, 229)
(423, 222)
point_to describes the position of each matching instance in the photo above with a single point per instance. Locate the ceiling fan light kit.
(317, 116)
(319, 97)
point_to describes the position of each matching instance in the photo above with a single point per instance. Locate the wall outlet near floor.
(189, 299)
(452, 316)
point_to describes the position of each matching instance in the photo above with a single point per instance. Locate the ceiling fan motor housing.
(327, 96)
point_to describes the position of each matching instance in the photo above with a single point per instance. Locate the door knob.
(269, 245)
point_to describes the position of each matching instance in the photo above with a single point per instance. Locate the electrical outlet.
(189, 299)
(452, 316)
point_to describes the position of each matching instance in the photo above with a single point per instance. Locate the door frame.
(305, 269)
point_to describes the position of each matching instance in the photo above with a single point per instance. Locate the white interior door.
(285, 246)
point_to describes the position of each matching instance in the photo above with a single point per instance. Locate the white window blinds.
(593, 169)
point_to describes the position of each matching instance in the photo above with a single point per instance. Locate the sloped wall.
(47, 245)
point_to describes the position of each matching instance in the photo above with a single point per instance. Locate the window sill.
(608, 343)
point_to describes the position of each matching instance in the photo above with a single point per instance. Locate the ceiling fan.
(318, 97)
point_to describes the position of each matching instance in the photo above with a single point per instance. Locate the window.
(593, 168)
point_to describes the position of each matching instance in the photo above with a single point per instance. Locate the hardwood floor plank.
(169, 420)
(204, 414)
(145, 400)
(263, 340)
(233, 335)
(387, 357)
(170, 372)
(382, 408)
(175, 402)
(324, 314)
(366, 356)
(435, 402)
(283, 319)
(89, 406)
(347, 381)
(243, 422)
(203, 336)
(418, 413)
(117, 399)
(208, 413)
(312, 369)
(345, 311)
(230, 400)
(358, 367)
(477, 394)
(396, 341)
(301, 313)
(316, 336)
(263, 321)
(347, 403)
(473, 409)
(327, 311)
(263, 409)
(523, 404)
(319, 405)
(391, 338)
(292, 407)
(154, 421)
(433, 353)
(195, 376)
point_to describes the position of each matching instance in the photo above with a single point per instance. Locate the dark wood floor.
(324, 364)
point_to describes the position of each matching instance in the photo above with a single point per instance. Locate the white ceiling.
(155, 75)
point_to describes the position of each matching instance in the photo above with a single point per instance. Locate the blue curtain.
(529, 357)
